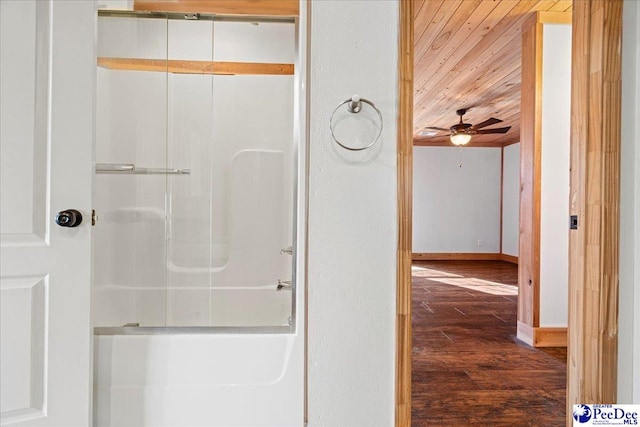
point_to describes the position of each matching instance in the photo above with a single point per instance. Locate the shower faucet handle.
(287, 250)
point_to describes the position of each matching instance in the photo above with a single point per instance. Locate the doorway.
(597, 28)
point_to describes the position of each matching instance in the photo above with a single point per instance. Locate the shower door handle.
(287, 250)
(69, 218)
(283, 284)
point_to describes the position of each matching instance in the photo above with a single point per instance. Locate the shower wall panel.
(165, 242)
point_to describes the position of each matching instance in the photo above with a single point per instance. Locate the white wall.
(629, 317)
(554, 210)
(511, 199)
(352, 220)
(456, 208)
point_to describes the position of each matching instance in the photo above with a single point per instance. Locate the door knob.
(69, 218)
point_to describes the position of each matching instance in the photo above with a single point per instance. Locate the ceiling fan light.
(460, 138)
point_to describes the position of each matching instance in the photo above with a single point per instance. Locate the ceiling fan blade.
(437, 128)
(494, 130)
(488, 122)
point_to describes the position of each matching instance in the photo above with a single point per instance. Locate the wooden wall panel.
(405, 207)
(222, 7)
(530, 164)
(530, 170)
(594, 198)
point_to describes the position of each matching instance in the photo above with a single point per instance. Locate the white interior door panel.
(47, 69)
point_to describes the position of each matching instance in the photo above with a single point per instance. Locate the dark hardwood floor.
(467, 366)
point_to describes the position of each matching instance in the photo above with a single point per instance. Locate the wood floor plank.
(467, 366)
(508, 408)
(516, 379)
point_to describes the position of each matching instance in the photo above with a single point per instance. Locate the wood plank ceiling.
(467, 55)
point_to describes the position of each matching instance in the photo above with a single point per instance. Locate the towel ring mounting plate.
(354, 106)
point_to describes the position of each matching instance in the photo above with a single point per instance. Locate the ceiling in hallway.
(467, 55)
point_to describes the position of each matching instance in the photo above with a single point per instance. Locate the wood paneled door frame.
(594, 197)
(405, 206)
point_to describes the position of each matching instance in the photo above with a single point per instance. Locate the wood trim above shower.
(195, 67)
(222, 7)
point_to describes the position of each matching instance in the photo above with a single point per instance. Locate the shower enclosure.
(196, 169)
(199, 193)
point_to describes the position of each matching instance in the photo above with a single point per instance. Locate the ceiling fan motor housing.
(460, 128)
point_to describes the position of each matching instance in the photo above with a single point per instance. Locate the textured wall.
(352, 219)
(511, 199)
(456, 209)
(554, 211)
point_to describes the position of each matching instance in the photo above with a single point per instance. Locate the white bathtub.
(198, 380)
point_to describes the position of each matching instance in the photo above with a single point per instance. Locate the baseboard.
(463, 256)
(525, 333)
(509, 258)
(549, 337)
(455, 256)
(541, 336)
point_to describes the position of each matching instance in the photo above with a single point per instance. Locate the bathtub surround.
(168, 242)
(205, 248)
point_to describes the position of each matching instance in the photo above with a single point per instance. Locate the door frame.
(405, 207)
(594, 195)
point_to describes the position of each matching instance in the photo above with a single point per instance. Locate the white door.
(47, 69)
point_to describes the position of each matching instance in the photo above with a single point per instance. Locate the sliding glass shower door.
(194, 186)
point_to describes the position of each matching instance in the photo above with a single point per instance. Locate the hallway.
(467, 366)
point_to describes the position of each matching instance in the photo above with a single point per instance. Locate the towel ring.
(354, 105)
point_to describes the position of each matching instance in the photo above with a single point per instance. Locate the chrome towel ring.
(354, 105)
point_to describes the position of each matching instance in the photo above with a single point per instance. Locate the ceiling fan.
(460, 133)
